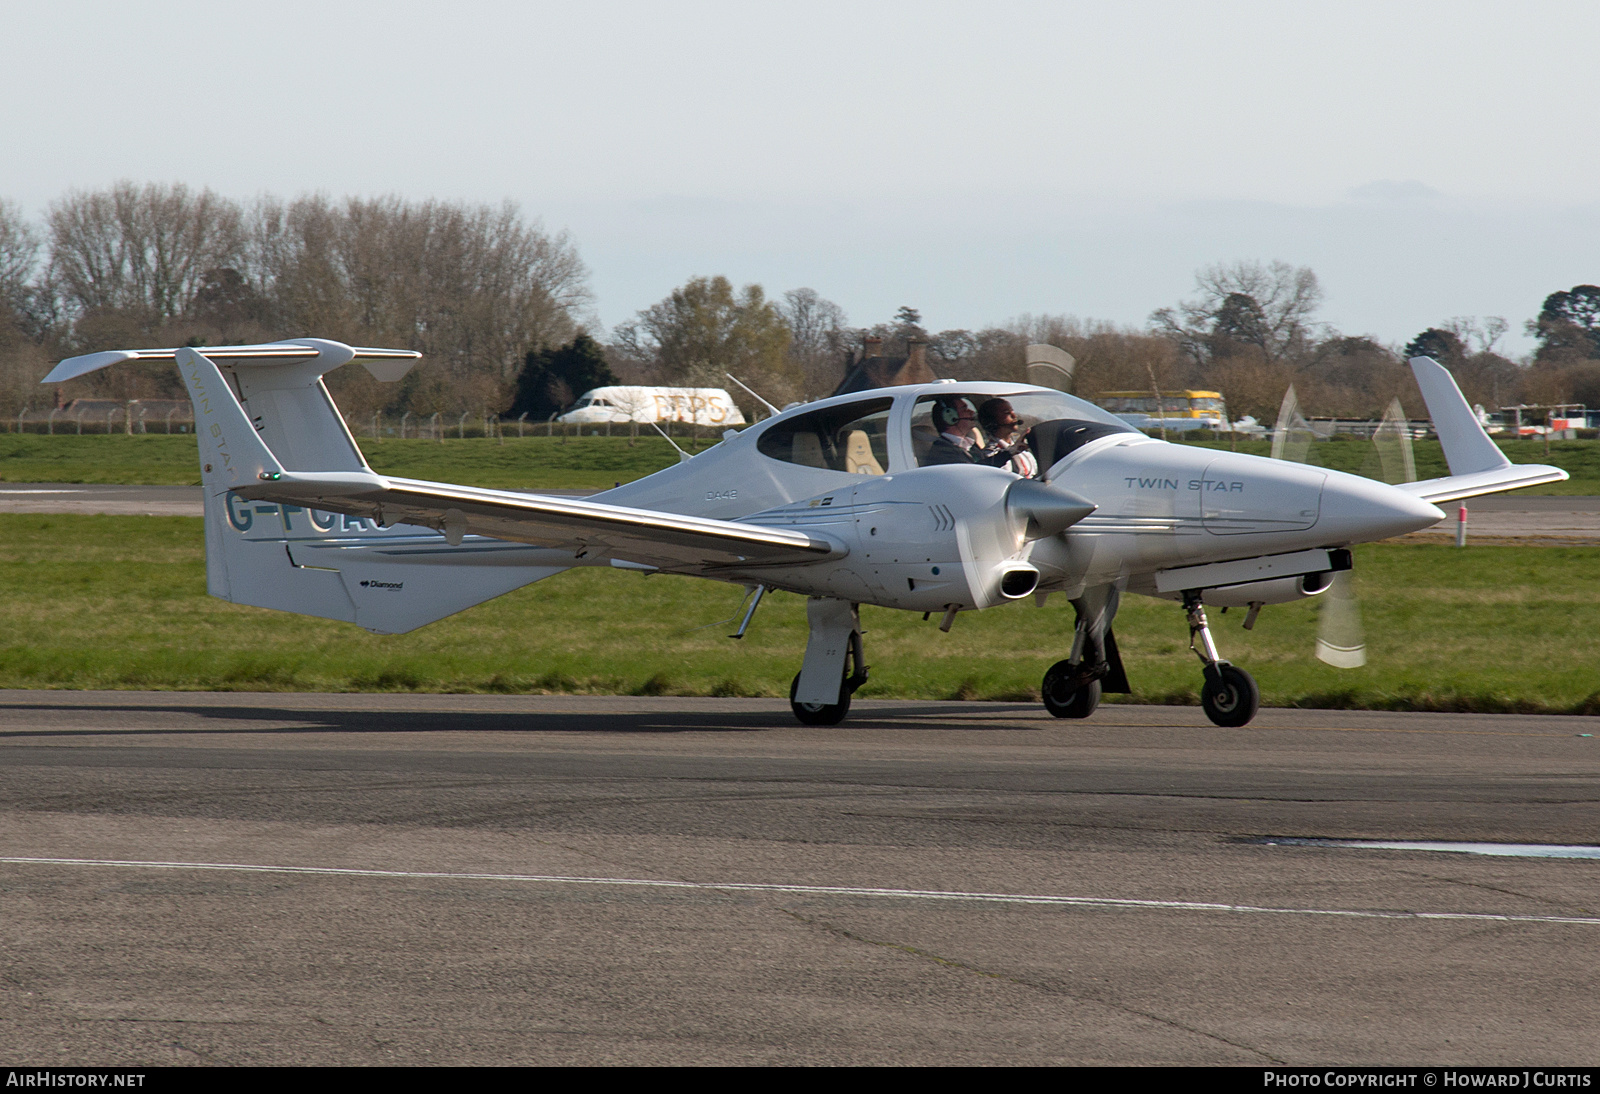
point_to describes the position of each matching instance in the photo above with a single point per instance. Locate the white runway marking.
(1501, 850)
(812, 890)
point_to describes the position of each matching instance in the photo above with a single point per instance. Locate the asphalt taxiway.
(255, 878)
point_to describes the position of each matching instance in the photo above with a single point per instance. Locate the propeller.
(1043, 510)
(1050, 366)
(1292, 435)
(1341, 641)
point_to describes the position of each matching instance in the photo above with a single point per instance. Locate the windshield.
(987, 421)
(1034, 407)
(1031, 407)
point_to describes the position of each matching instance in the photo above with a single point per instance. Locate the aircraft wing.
(230, 444)
(1477, 466)
(666, 541)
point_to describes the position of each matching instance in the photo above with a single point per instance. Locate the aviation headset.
(947, 412)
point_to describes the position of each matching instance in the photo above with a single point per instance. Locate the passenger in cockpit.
(1001, 424)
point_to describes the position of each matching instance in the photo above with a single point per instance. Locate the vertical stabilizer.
(300, 560)
(263, 411)
(1467, 448)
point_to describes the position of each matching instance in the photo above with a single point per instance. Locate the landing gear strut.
(1230, 696)
(1072, 688)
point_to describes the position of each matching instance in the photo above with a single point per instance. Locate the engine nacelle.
(925, 540)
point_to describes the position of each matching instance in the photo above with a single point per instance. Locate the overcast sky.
(976, 161)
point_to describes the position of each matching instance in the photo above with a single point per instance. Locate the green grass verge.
(119, 602)
(546, 463)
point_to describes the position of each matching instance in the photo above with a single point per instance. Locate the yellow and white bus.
(1178, 410)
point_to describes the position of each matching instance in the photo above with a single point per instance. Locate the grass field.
(119, 602)
(543, 463)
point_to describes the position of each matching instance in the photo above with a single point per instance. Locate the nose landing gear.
(1229, 697)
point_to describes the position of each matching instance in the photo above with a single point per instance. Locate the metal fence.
(103, 416)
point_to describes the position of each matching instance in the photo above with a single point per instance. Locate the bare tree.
(21, 355)
(819, 339)
(1109, 357)
(141, 250)
(1482, 334)
(1245, 306)
(19, 253)
(474, 287)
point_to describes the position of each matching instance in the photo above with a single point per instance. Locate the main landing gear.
(833, 668)
(1230, 696)
(1072, 688)
(1072, 691)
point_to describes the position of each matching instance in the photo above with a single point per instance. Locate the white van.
(709, 406)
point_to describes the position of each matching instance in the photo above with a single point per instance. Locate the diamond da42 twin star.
(869, 498)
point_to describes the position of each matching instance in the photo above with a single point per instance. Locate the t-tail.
(261, 411)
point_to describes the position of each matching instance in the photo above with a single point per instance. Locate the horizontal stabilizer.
(384, 364)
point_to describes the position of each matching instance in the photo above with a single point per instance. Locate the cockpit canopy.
(852, 437)
(861, 437)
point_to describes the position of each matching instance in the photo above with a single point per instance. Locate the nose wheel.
(1230, 696)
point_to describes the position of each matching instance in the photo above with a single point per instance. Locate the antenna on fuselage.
(752, 393)
(682, 455)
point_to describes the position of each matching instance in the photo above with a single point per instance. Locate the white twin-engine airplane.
(871, 498)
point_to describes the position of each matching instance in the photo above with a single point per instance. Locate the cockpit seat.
(807, 450)
(858, 457)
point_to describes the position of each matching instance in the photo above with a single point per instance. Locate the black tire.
(1064, 699)
(820, 714)
(1230, 696)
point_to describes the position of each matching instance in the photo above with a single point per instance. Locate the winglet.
(231, 450)
(1467, 448)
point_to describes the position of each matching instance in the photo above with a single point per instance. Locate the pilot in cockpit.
(956, 418)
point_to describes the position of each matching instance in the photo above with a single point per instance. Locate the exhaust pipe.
(1018, 581)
